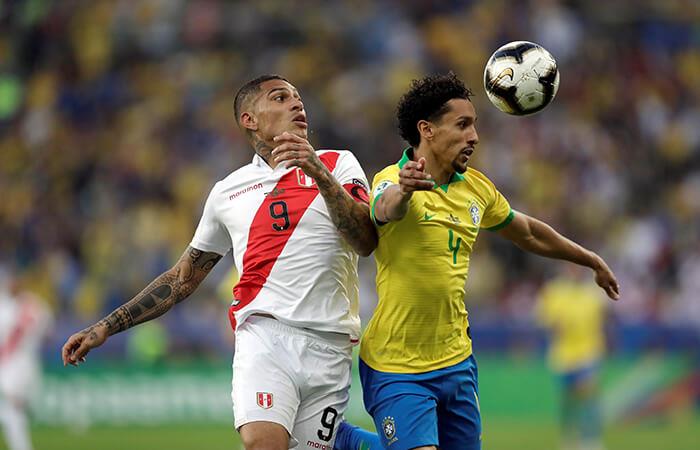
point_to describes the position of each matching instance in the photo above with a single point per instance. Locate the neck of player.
(263, 150)
(441, 175)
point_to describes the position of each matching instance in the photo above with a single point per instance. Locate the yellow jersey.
(420, 323)
(574, 314)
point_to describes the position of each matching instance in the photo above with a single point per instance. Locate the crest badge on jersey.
(264, 400)
(305, 180)
(389, 428)
(475, 213)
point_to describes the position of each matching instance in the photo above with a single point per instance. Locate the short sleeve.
(380, 183)
(348, 170)
(498, 213)
(211, 235)
(350, 175)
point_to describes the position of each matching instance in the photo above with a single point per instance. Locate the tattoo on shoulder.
(203, 260)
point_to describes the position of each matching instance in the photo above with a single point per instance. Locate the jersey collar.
(258, 161)
(408, 156)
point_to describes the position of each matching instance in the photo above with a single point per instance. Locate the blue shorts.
(575, 377)
(438, 408)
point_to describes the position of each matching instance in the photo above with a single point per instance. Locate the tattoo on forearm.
(170, 288)
(92, 334)
(350, 217)
(119, 320)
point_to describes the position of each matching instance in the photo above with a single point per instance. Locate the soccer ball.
(521, 78)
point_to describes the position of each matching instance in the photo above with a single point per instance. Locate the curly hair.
(427, 100)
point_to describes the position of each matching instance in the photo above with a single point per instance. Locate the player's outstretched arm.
(537, 237)
(351, 217)
(170, 288)
(392, 205)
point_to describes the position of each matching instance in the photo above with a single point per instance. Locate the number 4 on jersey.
(454, 248)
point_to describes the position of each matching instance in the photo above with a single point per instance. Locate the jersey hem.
(411, 370)
(301, 327)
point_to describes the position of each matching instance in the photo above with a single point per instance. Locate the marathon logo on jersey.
(245, 190)
(318, 445)
(305, 180)
(264, 400)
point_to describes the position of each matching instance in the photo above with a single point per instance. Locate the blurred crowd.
(116, 118)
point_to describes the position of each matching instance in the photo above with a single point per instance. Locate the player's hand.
(605, 278)
(77, 346)
(295, 151)
(413, 177)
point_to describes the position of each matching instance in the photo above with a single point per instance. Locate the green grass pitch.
(499, 434)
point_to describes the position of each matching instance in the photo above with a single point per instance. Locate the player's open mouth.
(300, 120)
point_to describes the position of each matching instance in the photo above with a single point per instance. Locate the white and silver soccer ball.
(521, 78)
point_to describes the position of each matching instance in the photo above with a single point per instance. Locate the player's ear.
(249, 121)
(425, 129)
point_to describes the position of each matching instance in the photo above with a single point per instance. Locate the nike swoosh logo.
(507, 72)
(364, 446)
(427, 217)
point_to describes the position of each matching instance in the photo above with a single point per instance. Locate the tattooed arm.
(170, 288)
(351, 217)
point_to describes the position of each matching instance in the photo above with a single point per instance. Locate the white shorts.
(19, 379)
(292, 376)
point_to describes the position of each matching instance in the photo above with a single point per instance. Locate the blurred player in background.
(418, 374)
(296, 220)
(24, 323)
(573, 312)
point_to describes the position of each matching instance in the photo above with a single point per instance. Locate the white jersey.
(294, 264)
(24, 322)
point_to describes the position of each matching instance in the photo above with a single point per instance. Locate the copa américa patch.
(381, 187)
(360, 183)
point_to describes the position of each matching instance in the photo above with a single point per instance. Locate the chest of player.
(274, 204)
(438, 216)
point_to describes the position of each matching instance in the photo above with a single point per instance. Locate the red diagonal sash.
(270, 231)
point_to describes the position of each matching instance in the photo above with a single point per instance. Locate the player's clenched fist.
(413, 177)
(296, 151)
(77, 346)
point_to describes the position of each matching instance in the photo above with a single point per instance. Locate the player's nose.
(472, 137)
(297, 105)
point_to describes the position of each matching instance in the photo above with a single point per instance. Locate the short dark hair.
(427, 100)
(251, 87)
